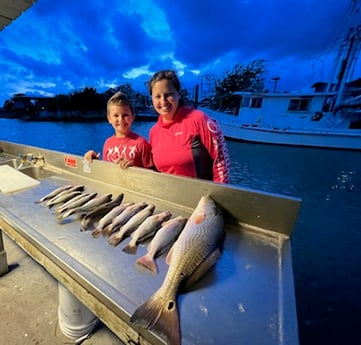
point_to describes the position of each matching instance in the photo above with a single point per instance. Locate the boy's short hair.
(120, 99)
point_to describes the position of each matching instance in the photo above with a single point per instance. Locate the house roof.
(10, 10)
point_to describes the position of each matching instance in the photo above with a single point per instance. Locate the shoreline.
(87, 117)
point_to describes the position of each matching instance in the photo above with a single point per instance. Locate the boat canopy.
(10, 10)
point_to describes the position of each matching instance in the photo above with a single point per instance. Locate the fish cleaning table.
(247, 298)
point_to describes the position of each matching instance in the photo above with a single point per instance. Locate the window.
(298, 104)
(245, 102)
(256, 102)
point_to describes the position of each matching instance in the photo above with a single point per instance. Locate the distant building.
(30, 105)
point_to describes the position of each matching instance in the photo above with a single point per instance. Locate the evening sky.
(62, 46)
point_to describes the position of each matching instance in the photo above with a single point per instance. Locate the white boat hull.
(339, 139)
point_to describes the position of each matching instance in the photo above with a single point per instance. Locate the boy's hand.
(124, 163)
(90, 155)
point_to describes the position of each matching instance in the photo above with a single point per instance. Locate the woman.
(185, 141)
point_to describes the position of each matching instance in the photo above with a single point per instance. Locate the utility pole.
(275, 79)
(209, 79)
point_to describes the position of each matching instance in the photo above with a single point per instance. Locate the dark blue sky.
(61, 46)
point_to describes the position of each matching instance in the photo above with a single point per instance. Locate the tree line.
(240, 77)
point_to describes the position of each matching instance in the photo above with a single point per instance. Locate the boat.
(12, 10)
(249, 293)
(328, 116)
(297, 119)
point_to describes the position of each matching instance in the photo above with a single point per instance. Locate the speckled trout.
(87, 206)
(123, 217)
(53, 193)
(146, 230)
(94, 216)
(73, 204)
(131, 225)
(196, 250)
(107, 218)
(62, 196)
(161, 242)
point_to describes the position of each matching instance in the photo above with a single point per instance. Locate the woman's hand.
(90, 155)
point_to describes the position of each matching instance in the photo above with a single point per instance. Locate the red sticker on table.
(70, 161)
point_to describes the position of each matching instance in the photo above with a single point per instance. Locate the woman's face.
(165, 99)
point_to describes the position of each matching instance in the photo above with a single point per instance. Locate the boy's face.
(121, 118)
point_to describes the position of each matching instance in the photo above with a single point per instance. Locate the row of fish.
(193, 245)
(116, 221)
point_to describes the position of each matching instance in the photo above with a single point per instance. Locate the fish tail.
(114, 240)
(130, 248)
(83, 224)
(148, 262)
(160, 316)
(97, 232)
(107, 231)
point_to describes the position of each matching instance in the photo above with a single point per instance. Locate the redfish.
(196, 250)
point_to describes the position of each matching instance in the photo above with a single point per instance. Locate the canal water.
(326, 242)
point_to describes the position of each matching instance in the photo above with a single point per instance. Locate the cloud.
(57, 47)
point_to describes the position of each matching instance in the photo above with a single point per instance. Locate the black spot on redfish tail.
(160, 317)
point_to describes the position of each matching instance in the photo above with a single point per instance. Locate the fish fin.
(130, 248)
(168, 258)
(159, 316)
(205, 266)
(147, 262)
(199, 218)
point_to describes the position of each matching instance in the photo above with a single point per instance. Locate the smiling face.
(165, 98)
(121, 118)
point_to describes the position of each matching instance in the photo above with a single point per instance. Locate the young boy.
(125, 147)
